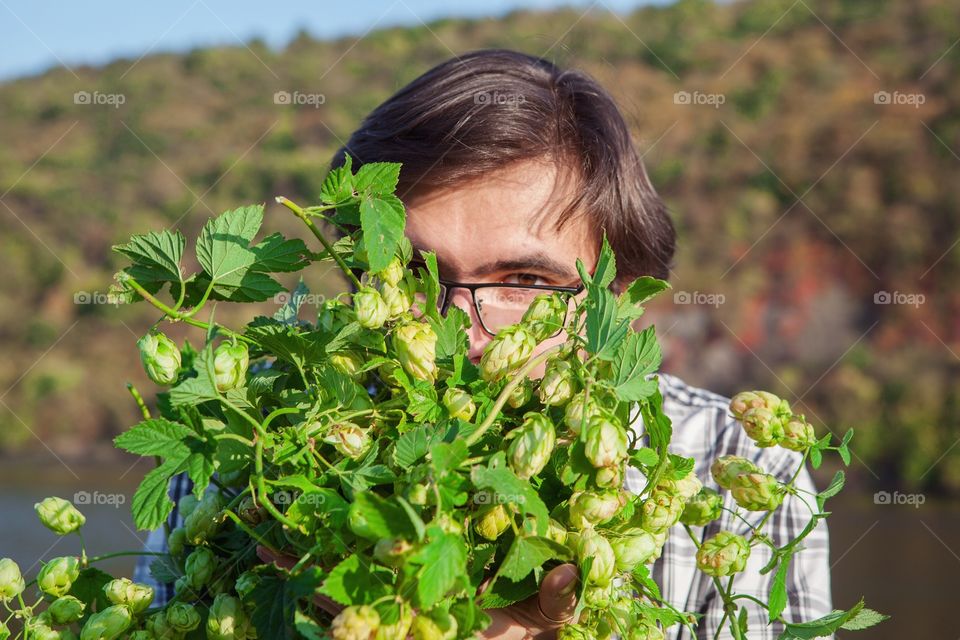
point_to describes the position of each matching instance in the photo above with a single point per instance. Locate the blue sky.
(38, 34)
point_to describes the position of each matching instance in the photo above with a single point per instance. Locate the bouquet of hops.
(408, 489)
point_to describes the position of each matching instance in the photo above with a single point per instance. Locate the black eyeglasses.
(499, 305)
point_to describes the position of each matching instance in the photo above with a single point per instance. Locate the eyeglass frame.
(473, 286)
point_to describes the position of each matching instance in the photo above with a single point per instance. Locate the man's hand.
(538, 617)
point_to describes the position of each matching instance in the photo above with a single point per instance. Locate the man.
(511, 170)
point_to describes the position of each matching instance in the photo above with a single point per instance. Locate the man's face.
(489, 231)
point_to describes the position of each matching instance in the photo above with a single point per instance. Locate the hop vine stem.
(181, 316)
(300, 213)
(520, 376)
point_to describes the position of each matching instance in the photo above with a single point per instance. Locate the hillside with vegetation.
(818, 219)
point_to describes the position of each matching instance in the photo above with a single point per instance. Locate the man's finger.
(268, 557)
(558, 594)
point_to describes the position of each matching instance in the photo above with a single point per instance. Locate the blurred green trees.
(799, 199)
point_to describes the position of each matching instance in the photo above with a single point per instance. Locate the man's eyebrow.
(540, 262)
(536, 261)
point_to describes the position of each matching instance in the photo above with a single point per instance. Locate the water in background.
(902, 558)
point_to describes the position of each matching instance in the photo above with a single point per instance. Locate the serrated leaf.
(864, 619)
(88, 587)
(657, 424)
(222, 248)
(645, 456)
(529, 552)
(816, 457)
(444, 561)
(253, 286)
(289, 312)
(778, 590)
(413, 445)
(847, 436)
(276, 253)
(821, 626)
(337, 186)
(681, 466)
(156, 256)
(154, 437)
(355, 581)
(606, 269)
(844, 454)
(151, 505)
(642, 289)
(451, 332)
(430, 278)
(605, 331)
(638, 356)
(497, 477)
(198, 388)
(505, 592)
(382, 517)
(382, 221)
(835, 486)
(378, 178)
(164, 569)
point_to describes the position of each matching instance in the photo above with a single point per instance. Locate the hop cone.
(57, 576)
(416, 346)
(356, 623)
(230, 365)
(723, 555)
(798, 434)
(726, 468)
(372, 311)
(531, 448)
(65, 609)
(757, 491)
(660, 511)
(160, 357)
(545, 315)
(59, 516)
(638, 547)
(459, 403)
(124, 591)
(227, 619)
(606, 442)
(507, 352)
(763, 426)
(107, 624)
(595, 546)
(702, 508)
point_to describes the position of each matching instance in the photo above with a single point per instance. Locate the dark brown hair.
(486, 109)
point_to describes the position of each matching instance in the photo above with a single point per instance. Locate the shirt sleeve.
(180, 485)
(808, 576)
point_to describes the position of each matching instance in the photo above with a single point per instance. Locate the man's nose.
(479, 338)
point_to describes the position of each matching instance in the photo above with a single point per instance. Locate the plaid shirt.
(702, 429)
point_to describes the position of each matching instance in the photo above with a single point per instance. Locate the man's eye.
(524, 278)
